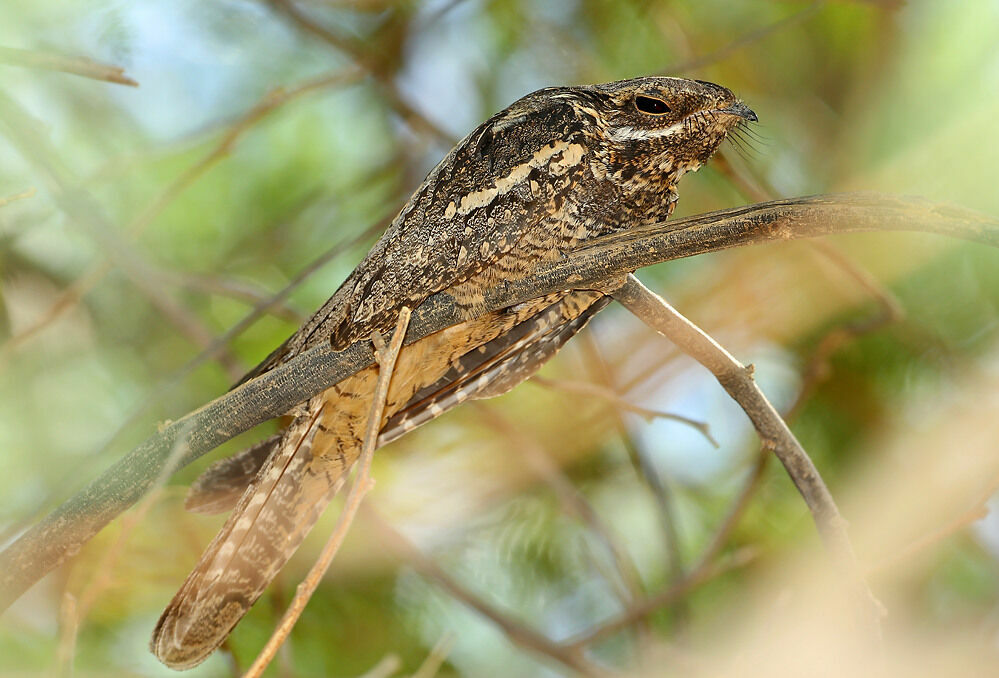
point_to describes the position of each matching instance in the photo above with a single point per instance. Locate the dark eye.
(651, 105)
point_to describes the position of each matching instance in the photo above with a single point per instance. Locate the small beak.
(742, 110)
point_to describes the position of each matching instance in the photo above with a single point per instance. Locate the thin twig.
(69, 629)
(362, 484)
(737, 380)
(590, 389)
(385, 668)
(30, 193)
(438, 655)
(45, 545)
(81, 66)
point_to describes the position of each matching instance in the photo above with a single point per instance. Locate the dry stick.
(69, 628)
(362, 483)
(752, 483)
(81, 66)
(268, 104)
(738, 381)
(68, 527)
(518, 633)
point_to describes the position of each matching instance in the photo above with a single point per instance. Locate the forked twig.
(737, 380)
(386, 358)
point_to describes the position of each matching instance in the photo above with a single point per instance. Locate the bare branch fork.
(737, 380)
(62, 533)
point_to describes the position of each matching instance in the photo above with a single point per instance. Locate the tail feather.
(274, 514)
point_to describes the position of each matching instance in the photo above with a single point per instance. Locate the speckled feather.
(556, 168)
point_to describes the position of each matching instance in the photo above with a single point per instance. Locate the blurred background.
(156, 241)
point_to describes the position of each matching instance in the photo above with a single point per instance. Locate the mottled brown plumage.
(556, 168)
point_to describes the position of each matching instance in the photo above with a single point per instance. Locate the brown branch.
(386, 358)
(737, 380)
(517, 632)
(47, 543)
(50, 61)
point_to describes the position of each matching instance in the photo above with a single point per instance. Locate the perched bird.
(558, 167)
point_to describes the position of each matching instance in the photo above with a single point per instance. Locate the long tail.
(293, 477)
(276, 511)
